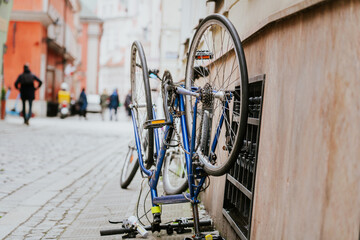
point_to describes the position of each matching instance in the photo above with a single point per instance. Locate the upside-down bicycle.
(205, 115)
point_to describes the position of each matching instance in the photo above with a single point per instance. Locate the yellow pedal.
(158, 123)
(161, 121)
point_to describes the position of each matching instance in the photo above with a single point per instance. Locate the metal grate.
(240, 180)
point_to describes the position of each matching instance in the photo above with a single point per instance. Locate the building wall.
(170, 35)
(5, 10)
(68, 24)
(29, 5)
(93, 43)
(83, 63)
(125, 22)
(308, 180)
(24, 45)
(40, 32)
(54, 75)
(308, 174)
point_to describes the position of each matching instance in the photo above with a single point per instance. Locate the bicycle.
(211, 107)
(174, 172)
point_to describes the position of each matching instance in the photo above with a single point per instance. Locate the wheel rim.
(139, 99)
(176, 172)
(222, 59)
(130, 163)
(175, 175)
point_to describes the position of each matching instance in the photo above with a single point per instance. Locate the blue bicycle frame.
(189, 146)
(154, 175)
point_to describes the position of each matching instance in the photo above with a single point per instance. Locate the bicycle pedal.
(129, 235)
(158, 123)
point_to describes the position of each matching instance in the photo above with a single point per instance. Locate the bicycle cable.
(144, 205)
(137, 205)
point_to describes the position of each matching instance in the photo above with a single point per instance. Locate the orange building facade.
(43, 34)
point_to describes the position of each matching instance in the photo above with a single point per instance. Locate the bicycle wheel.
(216, 64)
(174, 174)
(130, 167)
(141, 100)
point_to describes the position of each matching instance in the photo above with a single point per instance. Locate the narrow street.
(60, 179)
(52, 169)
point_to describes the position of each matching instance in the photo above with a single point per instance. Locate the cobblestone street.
(51, 170)
(60, 179)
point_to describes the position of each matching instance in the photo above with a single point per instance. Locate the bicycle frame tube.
(156, 132)
(138, 144)
(161, 152)
(155, 177)
(188, 159)
(159, 163)
(193, 131)
(214, 144)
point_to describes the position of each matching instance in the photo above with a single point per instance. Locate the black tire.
(217, 48)
(130, 167)
(141, 99)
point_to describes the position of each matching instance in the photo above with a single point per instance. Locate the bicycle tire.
(207, 51)
(141, 99)
(174, 173)
(130, 167)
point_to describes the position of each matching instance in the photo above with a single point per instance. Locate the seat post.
(195, 210)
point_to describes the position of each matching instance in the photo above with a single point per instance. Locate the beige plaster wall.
(308, 174)
(250, 16)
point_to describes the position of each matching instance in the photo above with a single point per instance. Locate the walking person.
(127, 103)
(114, 104)
(83, 103)
(104, 102)
(27, 90)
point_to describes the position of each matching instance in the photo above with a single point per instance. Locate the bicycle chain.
(173, 111)
(177, 133)
(201, 125)
(207, 101)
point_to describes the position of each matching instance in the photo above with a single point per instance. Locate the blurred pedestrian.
(114, 104)
(27, 90)
(83, 103)
(64, 99)
(104, 102)
(127, 103)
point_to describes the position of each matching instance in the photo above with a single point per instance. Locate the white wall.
(170, 35)
(124, 22)
(94, 32)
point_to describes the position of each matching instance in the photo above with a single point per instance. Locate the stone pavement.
(59, 179)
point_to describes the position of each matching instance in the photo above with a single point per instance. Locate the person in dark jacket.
(27, 90)
(104, 103)
(114, 104)
(127, 103)
(83, 103)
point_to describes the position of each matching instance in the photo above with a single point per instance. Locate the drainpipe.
(3, 91)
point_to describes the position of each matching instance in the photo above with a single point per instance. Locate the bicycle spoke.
(226, 73)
